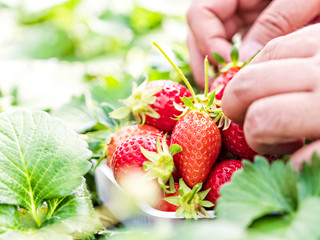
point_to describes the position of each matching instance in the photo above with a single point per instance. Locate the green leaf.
(76, 114)
(187, 101)
(309, 184)
(72, 217)
(9, 218)
(219, 59)
(304, 224)
(306, 221)
(120, 113)
(258, 190)
(234, 55)
(37, 154)
(174, 149)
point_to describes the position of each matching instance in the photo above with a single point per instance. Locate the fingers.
(279, 18)
(279, 123)
(304, 154)
(205, 19)
(261, 80)
(291, 46)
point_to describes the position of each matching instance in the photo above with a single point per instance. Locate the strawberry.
(129, 131)
(153, 103)
(200, 140)
(227, 72)
(196, 133)
(170, 93)
(222, 80)
(232, 134)
(145, 153)
(190, 202)
(219, 175)
(166, 206)
(234, 141)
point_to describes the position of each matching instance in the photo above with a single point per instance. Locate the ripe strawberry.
(195, 132)
(153, 103)
(130, 131)
(227, 72)
(170, 93)
(219, 175)
(190, 202)
(166, 206)
(222, 80)
(200, 140)
(145, 153)
(234, 141)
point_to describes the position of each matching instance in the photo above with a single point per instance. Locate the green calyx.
(217, 115)
(191, 201)
(234, 60)
(138, 103)
(161, 163)
(202, 102)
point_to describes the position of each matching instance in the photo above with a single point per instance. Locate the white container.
(111, 195)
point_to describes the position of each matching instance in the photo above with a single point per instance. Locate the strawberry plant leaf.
(309, 184)
(76, 114)
(234, 55)
(37, 152)
(188, 102)
(258, 190)
(274, 199)
(9, 218)
(70, 217)
(305, 224)
(301, 225)
(219, 59)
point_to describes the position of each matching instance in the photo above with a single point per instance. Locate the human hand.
(276, 96)
(214, 22)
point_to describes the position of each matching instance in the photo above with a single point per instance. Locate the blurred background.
(55, 51)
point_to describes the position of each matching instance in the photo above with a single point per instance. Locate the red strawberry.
(166, 206)
(170, 93)
(130, 131)
(227, 72)
(153, 103)
(234, 141)
(219, 175)
(191, 203)
(195, 132)
(145, 153)
(200, 140)
(222, 80)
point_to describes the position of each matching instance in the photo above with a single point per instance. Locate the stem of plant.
(36, 216)
(185, 80)
(206, 66)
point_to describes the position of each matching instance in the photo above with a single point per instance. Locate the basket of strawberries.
(180, 151)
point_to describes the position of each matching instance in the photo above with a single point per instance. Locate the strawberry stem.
(206, 65)
(185, 80)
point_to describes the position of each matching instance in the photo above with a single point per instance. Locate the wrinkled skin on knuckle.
(270, 49)
(276, 23)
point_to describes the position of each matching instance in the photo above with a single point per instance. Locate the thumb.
(279, 18)
(304, 154)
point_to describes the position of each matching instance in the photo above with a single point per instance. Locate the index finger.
(205, 19)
